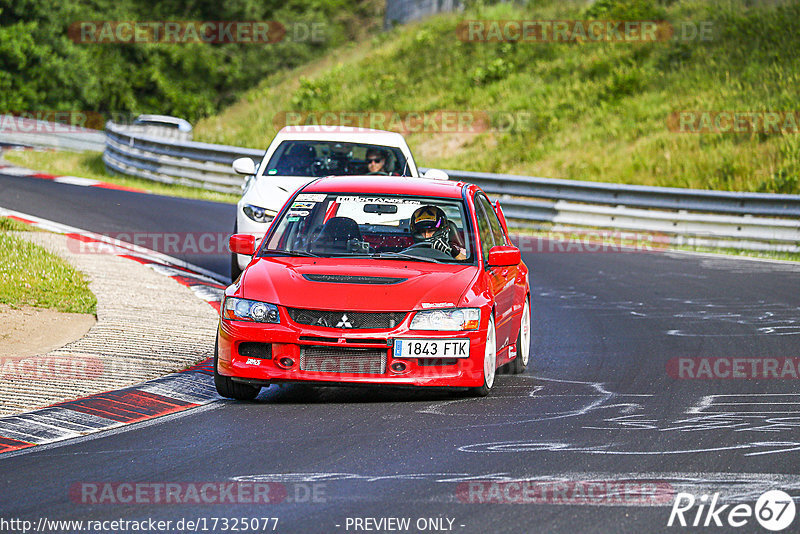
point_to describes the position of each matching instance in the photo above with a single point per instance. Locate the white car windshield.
(377, 226)
(325, 158)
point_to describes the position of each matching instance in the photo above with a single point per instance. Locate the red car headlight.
(236, 309)
(455, 319)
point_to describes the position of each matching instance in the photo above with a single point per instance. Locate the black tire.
(235, 269)
(230, 389)
(488, 382)
(517, 365)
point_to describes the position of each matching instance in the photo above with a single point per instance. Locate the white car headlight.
(452, 319)
(235, 309)
(258, 214)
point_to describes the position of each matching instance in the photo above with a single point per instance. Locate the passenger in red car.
(429, 224)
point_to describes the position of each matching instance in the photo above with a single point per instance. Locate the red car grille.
(347, 320)
(343, 360)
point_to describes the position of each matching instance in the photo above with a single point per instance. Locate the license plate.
(431, 348)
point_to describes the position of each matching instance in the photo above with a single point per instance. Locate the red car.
(392, 281)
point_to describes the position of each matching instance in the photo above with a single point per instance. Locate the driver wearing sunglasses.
(376, 162)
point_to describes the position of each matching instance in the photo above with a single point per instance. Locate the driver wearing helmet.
(429, 225)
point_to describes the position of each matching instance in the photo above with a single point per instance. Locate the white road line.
(76, 180)
(751, 403)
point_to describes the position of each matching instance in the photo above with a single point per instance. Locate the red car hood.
(427, 285)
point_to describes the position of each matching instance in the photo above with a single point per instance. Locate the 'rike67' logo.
(774, 510)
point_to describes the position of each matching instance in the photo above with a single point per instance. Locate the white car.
(300, 154)
(163, 126)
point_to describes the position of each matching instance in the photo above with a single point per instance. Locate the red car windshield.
(376, 226)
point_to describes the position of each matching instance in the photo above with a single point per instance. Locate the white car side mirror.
(436, 174)
(244, 166)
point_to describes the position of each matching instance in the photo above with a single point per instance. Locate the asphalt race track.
(601, 407)
(117, 213)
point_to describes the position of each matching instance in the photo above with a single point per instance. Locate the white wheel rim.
(525, 334)
(490, 356)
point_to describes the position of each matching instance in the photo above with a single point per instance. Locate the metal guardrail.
(636, 195)
(23, 132)
(757, 221)
(720, 219)
(694, 217)
(175, 162)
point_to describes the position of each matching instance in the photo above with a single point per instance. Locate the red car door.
(501, 279)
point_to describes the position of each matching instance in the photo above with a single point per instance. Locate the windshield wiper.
(393, 255)
(301, 253)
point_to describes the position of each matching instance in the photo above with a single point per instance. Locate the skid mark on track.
(543, 487)
(740, 318)
(593, 396)
(758, 448)
(737, 412)
(733, 403)
(733, 412)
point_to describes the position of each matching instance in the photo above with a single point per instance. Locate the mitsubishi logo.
(344, 323)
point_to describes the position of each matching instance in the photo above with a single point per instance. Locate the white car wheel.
(489, 362)
(524, 350)
(520, 362)
(490, 356)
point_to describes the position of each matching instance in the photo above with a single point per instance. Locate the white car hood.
(271, 192)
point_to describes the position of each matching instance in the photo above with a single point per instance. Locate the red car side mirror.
(504, 256)
(242, 244)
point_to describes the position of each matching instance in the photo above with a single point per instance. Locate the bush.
(41, 69)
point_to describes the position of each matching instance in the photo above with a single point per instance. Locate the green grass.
(10, 225)
(588, 111)
(90, 165)
(32, 276)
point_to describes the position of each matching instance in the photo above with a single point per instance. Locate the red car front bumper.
(370, 360)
